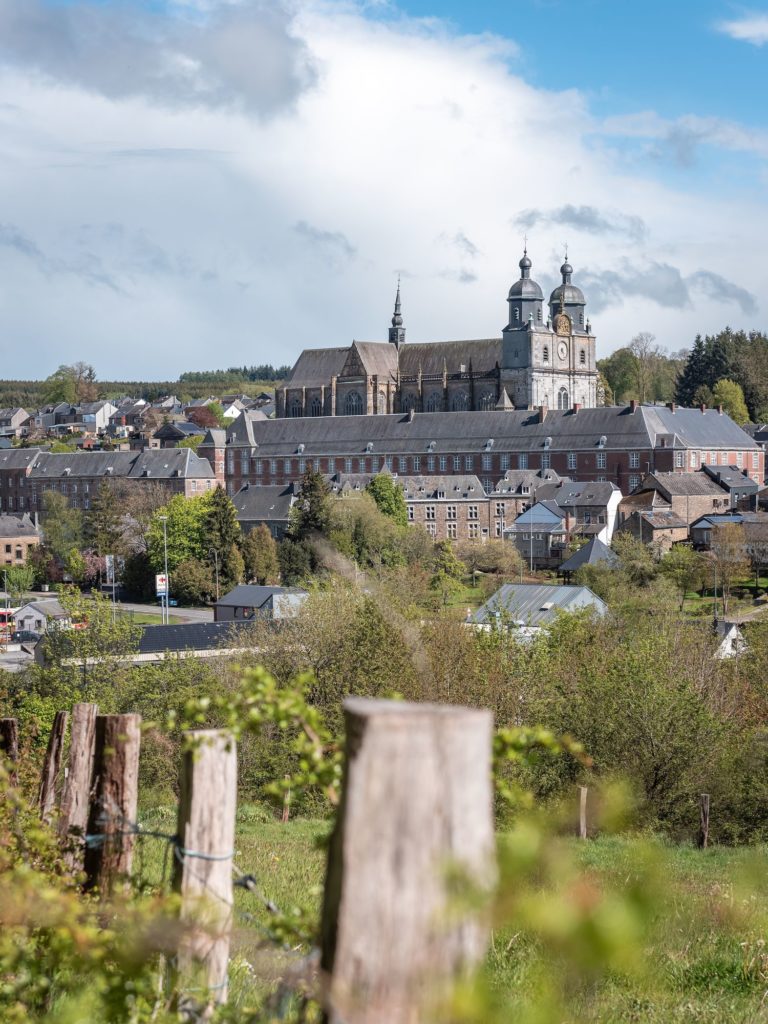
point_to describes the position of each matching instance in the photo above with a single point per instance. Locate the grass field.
(705, 957)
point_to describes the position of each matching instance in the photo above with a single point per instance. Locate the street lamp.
(215, 554)
(164, 521)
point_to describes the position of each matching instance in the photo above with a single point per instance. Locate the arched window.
(408, 402)
(295, 409)
(315, 407)
(581, 319)
(517, 315)
(460, 401)
(488, 400)
(562, 398)
(545, 354)
(353, 404)
(382, 403)
(538, 314)
(435, 402)
(582, 357)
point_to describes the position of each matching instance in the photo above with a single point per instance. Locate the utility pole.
(164, 521)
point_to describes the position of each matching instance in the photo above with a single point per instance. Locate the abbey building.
(543, 358)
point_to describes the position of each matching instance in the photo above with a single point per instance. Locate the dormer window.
(602, 442)
(369, 446)
(300, 449)
(547, 442)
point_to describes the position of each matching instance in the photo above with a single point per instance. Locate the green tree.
(19, 579)
(104, 522)
(296, 561)
(389, 498)
(193, 582)
(186, 529)
(193, 441)
(728, 554)
(619, 371)
(62, 526)
(729, 394)
(311, 512)
(259, 550)
(686, 568)
(448, 571)
(646, 355)
(224, 537)
(74, 383)
(694, 375)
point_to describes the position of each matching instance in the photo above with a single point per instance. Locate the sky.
(197, 184)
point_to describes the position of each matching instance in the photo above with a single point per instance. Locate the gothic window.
(408, 402)
(582, 357)
(435, 402)
(316, 407)
(382, 402)
(545, 354)
(460, 401)
(562, 398)
(488, 400)
(353, 404)
(295, 409)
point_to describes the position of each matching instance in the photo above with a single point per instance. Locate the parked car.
(25, 636)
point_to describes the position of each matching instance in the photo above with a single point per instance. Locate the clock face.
(562, 350)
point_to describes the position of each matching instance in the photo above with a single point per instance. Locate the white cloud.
(751, 28)
(151, 237)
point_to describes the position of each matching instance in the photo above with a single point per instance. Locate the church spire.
(397, 331)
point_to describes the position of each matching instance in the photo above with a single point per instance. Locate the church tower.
(397, 331)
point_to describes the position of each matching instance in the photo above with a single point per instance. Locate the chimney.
(576, 407)
(720, 410)
(543, 410)
(703, 406)
(633, 405)
(671, 406)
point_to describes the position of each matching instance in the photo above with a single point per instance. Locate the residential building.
(658, 526)
(265, 506)
(741, 487)
(38, 616)
(544, 356)
(17, 535)
(14, 422)
(247, 602)
(526, 609)
(687, 495)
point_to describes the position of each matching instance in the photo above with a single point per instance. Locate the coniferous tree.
(223, 538)
(103, 526)
(311, 511)
(260, 556)
(695, 374)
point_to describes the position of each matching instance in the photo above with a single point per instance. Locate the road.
(185, 614)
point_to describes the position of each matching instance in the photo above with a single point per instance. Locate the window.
(723, 458)
(388, 462)
(546, 460)
(353, 404)
(286, 465)
(361, 465)
(429, 512)
(460, 401)
(431, 463)
(410, 513)
(500, 508)
(601, 479)
(522, 460)
(755, 460)
(739, 459)
(443, 463)
(230, 462)
(634, 460)
(315, 407)
(571, 460)
(600, 460)
(19, 554)
(469, 463)
(435, 402)
(450, 512)
(295, 410)
(402, 464)
(316, 465)
(693, 459)
(634, 481)
(562, 398)
(473, 531)
(680, 459)
(451, 531)
(582, 354)
(431, 529)
(472, 512)
(374, 464)
(456, 463)
(545, 354)
(257, 466)
(487, 400)
(487, 461)
(416, 463)
(503, 462)
(273, 466)
(7, 549)
(244, 461)
(332, 465)
(302, 465)
(347, 465)
(382, 402)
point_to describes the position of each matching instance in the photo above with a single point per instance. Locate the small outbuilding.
(529, 608)
(248, 602)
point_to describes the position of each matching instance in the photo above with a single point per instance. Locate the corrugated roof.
(534, 604)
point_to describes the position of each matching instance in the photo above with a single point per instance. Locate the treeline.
(236, 375)
(32, 394)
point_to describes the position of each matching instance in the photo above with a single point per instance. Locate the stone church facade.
(539, 360)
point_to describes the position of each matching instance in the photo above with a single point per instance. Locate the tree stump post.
(416, 804)
(51, 765)
(112, 814)
(202, 872)
(9, 746)
(582, 812)
(75, 793)
(703, 821)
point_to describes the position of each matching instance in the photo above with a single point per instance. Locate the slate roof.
(514, 479)
(427, 488)
(18, 458)
(17, 526)
(264, 504)
(536, 604)
(661, 519)
(682, 484)
(378, 357)
(469, 431)
(158, 464)
(50, 607)
(731, 478)
(432, 357)
(316, 366)
(190, 636)
(248, 595)
(590, 554)
(571, 494)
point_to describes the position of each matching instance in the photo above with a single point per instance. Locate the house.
(267, 506)
(540, 535)
(169, 434)
(248, 602)
(594, 552)
(739, 485)
(189, 640)
(658, 526)
(17, 535)
(14, 422)
(521, 486)
(687, 495)
(95, 416)
(703, 528)
(38, 616)
(529, 608)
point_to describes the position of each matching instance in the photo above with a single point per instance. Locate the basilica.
(543, 358)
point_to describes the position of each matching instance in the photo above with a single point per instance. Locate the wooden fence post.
(51, 765)
(75, 793)
(286, 804)
(582, 812)
(416, 803)
(9, 745)
(703, 820)
(203, 864)
(112, 814)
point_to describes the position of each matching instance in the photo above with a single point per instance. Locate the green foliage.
(187, 531)
(62, 526)
(389, 498)
(686, 568)
(222, 531)
(103, 525)
(193, 441)
(100, 636)
(193, 582)
(296, 561)
(447, 572)
(736, 356)
(259, 550)
(730, 395)
(311, 511)
(361, 531)
(19, 579)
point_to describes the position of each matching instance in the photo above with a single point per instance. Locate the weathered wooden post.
(582, 812)
(51, 765)
(703, 820)
(114, 799)
(286, 804)
(9, 745)
(416, 804)
(75, 793)
(203, 864)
